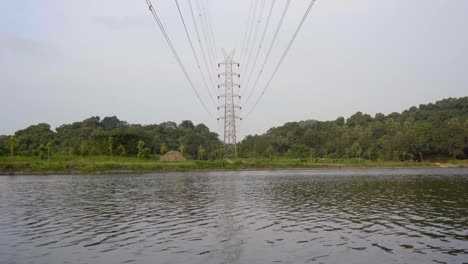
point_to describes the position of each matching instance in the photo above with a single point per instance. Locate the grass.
(104, 164)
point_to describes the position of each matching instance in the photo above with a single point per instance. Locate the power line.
(257, 26)
(278, 28)
(210, 27)
(246, 28)
(204, 28)
(261, 43)
(194, 53)
(249, 35)
(284, 55)
(179, 61)
(205, 60)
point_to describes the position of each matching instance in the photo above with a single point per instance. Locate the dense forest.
(428, 131)
(111, 136)
(431, 130)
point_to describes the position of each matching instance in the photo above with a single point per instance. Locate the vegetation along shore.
(435, 134)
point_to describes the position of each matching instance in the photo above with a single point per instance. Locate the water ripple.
(404, 216)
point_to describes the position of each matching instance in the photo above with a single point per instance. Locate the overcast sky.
(64, 61)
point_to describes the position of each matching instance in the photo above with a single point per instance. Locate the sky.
(65, 61)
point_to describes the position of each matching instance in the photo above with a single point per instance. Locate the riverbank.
(103, 165)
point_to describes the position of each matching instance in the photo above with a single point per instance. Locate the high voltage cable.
(210, 27)
(246, 29)
(257, 26)
(211, 31)
(205, 35)
(278, 28)
(205, 60)
(261, 42)
(253, 32)
(171, 46)
(194, 53)
(206, 31)
(283, 56)
(249, 34)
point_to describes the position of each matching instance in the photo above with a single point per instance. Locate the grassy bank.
(100, 164)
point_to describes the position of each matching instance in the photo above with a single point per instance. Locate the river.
(319, 216)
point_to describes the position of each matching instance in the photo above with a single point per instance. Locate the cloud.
(13, 44)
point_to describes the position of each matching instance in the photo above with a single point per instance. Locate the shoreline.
(168, 169)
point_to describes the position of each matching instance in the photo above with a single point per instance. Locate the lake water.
(355, 216)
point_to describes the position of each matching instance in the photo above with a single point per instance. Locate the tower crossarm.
(223, 118)
(235, 106)
(233, 84)
(234, 95)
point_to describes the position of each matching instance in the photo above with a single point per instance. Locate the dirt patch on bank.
(173, 156)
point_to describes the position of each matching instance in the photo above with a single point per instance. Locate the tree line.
(434, 130)
(112, 137)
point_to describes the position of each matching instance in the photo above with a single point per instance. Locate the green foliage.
(182, 148)
(432, 130)
(143, 152)
(163, 149)
(110, 143)
(201, 153)
(121, 151)
(298, 151)
(269, 151)
(110, 136)
(42, 152)
(31, 138)
(13, 144)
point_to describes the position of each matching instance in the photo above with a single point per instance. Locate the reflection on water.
(371, 216)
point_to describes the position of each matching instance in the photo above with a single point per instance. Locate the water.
(360, 216)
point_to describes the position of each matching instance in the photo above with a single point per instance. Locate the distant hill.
(435, 129)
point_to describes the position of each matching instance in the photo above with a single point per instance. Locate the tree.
(270, 152)
(312, 153)
(49, 147)
(358, 119)
(340, 121)
(356, 150)
(182, 148)
(111, 145)
(13, 144)
(299, 151)
(433, 130)
(112, 123)
(32, 137)
(324, 151)
(163, 149)
(201, 153)
(453, 138)
(83, 147)
(370, 151)
(42, 151)
(424, 134)
(140, 147)
(121, 150)
(145, 153)
(186, 124)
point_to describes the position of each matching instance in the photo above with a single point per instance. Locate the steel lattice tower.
(231, 102)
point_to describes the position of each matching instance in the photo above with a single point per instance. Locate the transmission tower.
(231, 102)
